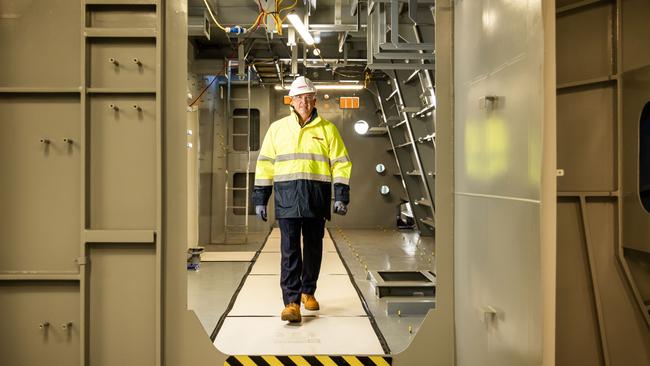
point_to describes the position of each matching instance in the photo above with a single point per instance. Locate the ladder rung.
(239, 134)
(413, 173)
(240, 117)
(393, 118)
(236, 189)
(391, 95)
(409, 109)
(238, 99)
(424, 110)
(423, 202)
(427, 138)
(411, 77)
(428, 221)
(399, 123)
(406, 144)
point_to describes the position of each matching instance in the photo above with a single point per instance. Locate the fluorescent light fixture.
(361, 127)
(327, 87)
(301, 28)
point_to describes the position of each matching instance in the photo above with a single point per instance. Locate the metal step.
(402, 122)
(409, 109)
(406, 144)
(422, 112)
(428, 221)
(424, 202)
(391, 95)
(427, 138)
(412, 76)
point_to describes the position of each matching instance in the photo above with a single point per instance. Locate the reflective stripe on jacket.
(302, 163)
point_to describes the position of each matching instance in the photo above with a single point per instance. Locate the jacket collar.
(313, 119)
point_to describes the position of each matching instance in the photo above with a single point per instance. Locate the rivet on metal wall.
(66, 326)
(114, 107)
(68, 141)
(114, 61)
(45, 141)
(137, 62)
(44, 325)
(137, 107)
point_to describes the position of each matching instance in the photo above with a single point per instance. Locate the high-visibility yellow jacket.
(302, 163)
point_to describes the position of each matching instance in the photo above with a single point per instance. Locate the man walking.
(301, 157)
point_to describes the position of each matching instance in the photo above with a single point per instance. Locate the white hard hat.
(301, 85)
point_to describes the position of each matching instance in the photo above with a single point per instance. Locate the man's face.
(304, 103)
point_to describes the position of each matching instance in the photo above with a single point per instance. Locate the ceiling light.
(361, 127)
(327, 87)
(301, 28)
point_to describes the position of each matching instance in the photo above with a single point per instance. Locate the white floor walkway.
(253, 325)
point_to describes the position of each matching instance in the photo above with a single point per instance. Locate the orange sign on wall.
(349, 102)
(286, 100)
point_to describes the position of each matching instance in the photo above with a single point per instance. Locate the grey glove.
(260, 211)
(340, 208)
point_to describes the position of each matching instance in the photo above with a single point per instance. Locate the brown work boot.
(310, 302)
(291, 313)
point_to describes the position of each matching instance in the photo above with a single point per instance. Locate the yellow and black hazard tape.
(308, 361)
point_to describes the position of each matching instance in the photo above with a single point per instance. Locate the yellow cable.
(212, 15)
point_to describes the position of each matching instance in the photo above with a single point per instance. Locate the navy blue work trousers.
(299, 272)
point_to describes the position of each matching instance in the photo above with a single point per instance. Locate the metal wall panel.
(124, 16)
(636, 94)
(122, 305)
(635, 32)
(25, 306)
(602, 314)
(577, 331)
(497, 267)
(584, 44)
(112, 63)
(122, 169)
(499, 86)
(39, 43)
(586, 135)
(40, 182)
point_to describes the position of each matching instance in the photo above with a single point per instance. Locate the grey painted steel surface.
(499, 51)
(602, 85)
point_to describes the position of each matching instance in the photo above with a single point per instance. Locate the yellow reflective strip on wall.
(379, 361)
(299, 361)
(272, 360)
(326, 361)
(352, 360)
